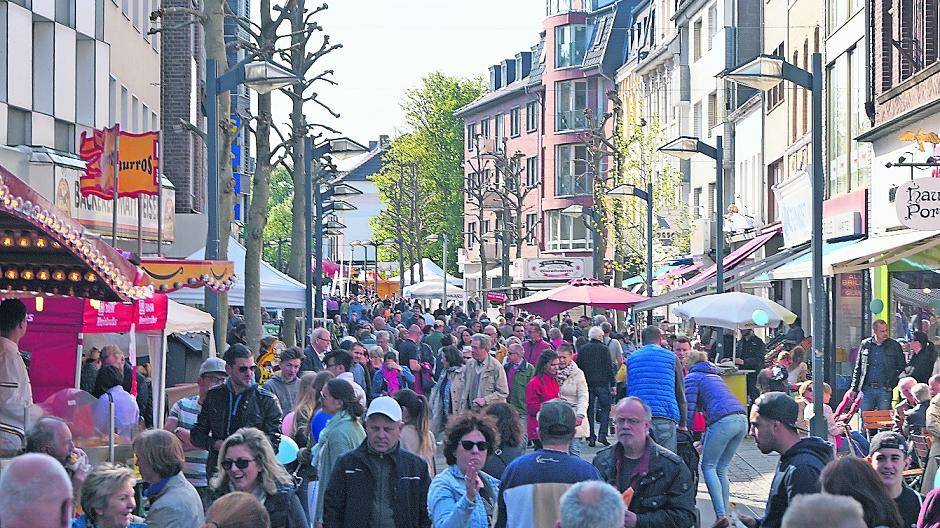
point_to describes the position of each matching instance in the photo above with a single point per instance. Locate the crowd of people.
(510, 403)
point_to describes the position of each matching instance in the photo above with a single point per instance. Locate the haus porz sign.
(918, 204)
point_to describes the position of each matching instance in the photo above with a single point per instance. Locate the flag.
(138, 162)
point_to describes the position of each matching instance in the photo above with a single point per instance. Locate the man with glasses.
(237, 403)
(316, 352)
(182, 419)
(484, 379)
(662, 484)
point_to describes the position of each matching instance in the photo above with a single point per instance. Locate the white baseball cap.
(385, 405)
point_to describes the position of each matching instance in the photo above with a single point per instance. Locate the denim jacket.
(448, 504)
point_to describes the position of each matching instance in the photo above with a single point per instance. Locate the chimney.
(383, 140)
(496, 77)
(523, 64)
(509, 71)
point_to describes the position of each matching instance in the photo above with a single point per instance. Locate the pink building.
(537, 101)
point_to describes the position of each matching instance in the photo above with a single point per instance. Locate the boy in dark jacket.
(773, 423)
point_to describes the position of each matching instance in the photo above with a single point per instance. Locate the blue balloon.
(760, 317)
(287, 450)
(876, 306)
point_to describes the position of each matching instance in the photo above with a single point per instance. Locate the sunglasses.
(246, 369)
(241, 463)
(482, 446)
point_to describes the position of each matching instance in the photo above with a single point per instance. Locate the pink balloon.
(288, 423)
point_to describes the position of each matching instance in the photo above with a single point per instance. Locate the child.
(774, 377)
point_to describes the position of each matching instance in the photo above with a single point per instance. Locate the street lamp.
(687, 147)
(628, 189)
(443, 239)
(765, 72)
(262, 77)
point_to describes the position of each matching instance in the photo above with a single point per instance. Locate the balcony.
(570, 120)
(560, 7)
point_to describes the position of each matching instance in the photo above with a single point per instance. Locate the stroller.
(850, 441)
(686, 450)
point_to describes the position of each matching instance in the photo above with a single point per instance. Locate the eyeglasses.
(246, 369)
(632, 422)
(241, 463)
(467, 445)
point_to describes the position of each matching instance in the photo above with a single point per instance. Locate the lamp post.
(646, 196)
(262, 77)
(763, 73)
(443, 239)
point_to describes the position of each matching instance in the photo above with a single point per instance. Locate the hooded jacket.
(797, 473)
(705, 391)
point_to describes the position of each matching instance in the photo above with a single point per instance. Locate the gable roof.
(363, 166)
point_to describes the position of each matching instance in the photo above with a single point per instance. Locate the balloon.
(760, 317)
(288, 423)
(876, 306)
(287, 450)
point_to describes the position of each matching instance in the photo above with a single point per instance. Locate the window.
(849, 162)
(571, 176)
(484, 227)
(531, 220)
(712, 112)
(43, 67)
(697, 120)
(515, 116)
(571, 100)
(570, 45)
(697, 40)
(471, 136)
(19, 127)
(145, 119)
(532, 171)
(712, 24)
(565, 232)
(697, 202)
(485, 128)
(774, 176)
(64, 136)
(135, 114)
(471, 233)
(124, 7)
(711, 200)
(531, 116)
(500, 132)
(775, 94)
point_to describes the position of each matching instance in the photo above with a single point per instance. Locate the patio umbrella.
(735, 310)
(578, 292)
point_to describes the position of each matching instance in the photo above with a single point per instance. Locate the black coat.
(920, 366)
(284, 508)
(894, 363)
(311, 361)
(349, 492)
(594, 361)
(256, 407)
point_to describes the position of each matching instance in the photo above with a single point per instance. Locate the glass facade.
(571, 43)
(571, 174)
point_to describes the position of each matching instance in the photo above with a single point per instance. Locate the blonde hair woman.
(237, 510)
(247, 463)
(108, 499)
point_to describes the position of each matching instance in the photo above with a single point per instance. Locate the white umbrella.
(734, 310)
(432, 289)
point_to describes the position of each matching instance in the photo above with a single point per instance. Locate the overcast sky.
(389, 45)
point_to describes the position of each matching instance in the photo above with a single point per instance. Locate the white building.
(357, 166)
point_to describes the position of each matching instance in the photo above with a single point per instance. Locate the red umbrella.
(577, 292)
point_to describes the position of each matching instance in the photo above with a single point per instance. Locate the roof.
(360, 168)
(603, 27)
(538, 62)
(493, 97)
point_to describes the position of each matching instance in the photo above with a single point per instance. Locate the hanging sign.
(496, 297)
(918, 204)
(137, 158)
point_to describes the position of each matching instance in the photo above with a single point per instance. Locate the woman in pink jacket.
(541, 388)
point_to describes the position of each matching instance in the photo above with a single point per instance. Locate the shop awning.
(44, 251)
(732, 259)
(657, 273)
(168, 275)
(733, 277)
(801, 267)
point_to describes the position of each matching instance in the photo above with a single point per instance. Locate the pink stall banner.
(52, 339)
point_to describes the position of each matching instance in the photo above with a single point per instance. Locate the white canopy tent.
(431, 272)
(433, 289)
(277, 289)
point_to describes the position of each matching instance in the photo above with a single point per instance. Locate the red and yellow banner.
(137, 158)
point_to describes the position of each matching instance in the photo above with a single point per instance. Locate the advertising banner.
(137, 158)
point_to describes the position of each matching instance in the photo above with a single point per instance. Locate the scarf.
(391, 380)
(565, 373)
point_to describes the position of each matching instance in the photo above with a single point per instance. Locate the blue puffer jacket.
(705, 391)
(651, 377)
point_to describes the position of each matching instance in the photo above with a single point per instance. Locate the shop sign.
(95, 213)
(918, 204)
(850, 285)
(557, 268)
(496, 297)
(794, 203)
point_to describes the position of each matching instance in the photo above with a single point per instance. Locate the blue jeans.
(664, 433)
(876, 399)
(719, 445)
(574, 448)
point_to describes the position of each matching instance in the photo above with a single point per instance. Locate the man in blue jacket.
(654, 375)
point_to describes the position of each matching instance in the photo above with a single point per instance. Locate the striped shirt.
(186, 411)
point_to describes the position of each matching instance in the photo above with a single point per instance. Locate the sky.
(389, 45)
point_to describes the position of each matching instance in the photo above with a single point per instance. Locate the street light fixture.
(575, 211)
(628, 189)
(762, 73)
(334, 224)
(262, 77)
(443, 238)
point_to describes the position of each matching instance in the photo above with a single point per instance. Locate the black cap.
(556, 418)
(780, 407)
(887, 440)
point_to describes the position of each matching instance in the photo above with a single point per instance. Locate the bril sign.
(918, 204)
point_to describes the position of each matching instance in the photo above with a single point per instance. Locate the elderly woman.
(247, 463)
(463, 496)
(108, 499)
(573, 389)
(342, 433)
(173, 500)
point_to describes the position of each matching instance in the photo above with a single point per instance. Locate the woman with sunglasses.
(247, 463)
(342, 433)
(463, 495)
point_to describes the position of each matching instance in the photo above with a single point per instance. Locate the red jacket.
(542, 388)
